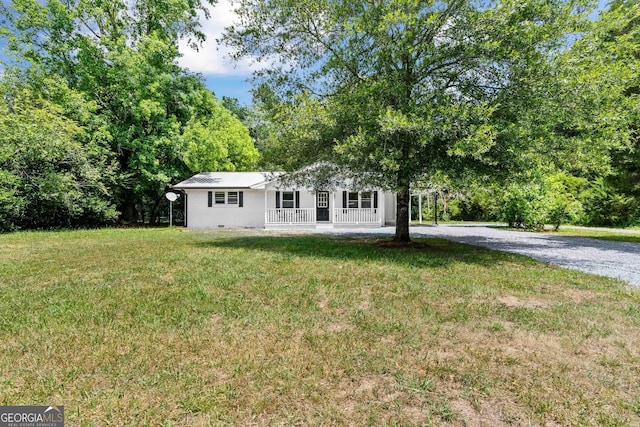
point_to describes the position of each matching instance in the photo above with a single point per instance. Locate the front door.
(322, 206)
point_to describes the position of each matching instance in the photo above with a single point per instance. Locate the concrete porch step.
(324, 227)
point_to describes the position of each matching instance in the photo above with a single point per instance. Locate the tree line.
(530, 110)
(98, 120)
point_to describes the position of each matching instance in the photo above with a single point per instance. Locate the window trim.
(237, 198)
(286, 201)
(221, 199)
(351, 201)
(363, 199)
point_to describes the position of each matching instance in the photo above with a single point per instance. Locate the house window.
(287, 199)
(365, 200)
(353, 200)
(362, 200)
(232, 198)
(220, 199)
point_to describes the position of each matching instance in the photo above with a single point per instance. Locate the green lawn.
(629, 235)
(615, 235)
(167, 327)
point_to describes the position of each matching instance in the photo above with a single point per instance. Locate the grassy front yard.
(624, 235)
(166, 327)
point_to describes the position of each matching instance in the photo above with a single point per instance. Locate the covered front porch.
(303, 209)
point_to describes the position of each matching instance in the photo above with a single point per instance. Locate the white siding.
(200, 215)
(252, 214)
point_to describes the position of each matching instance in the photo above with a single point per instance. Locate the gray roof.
(227, 180)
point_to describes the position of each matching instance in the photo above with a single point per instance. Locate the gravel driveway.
(605, 258)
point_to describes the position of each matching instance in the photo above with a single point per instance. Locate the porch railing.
(356, 216)
(290, 216)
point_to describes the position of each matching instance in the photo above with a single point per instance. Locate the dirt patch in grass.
(580, 295)
(511, 301)
(487, 415)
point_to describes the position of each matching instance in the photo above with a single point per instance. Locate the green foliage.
(157, 121)
(299, 132)
(604, 205)
(241, 112)
(562, 198)
(218, 142)
(587, 125)
(396, 84)
(599, 92)
(554, 200)
(523, 206)
(480, 204)
(48, 178)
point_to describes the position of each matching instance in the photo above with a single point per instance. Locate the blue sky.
(222, 75)
(213, 61)
(233, 86)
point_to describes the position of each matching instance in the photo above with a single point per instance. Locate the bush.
(555, 200)
(605, 207)
(481, 204)
(523, 207)
(562, 195)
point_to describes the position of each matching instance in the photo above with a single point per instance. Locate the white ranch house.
(258, 200)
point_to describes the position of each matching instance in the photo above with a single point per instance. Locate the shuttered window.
(225, 198)
(232, 198)
(287, 199)
(353, 200)
(365, 200)
(362, 200)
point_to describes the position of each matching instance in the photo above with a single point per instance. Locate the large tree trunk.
(155, 211)
(127, 206)
(402, 217)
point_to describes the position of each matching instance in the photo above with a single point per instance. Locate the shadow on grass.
(436, 253)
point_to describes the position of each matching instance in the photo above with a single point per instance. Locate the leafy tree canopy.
(48, 176)
(400, 90)
(157, 121)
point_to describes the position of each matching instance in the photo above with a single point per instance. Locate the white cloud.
(213, 58)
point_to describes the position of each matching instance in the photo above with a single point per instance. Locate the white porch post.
(333, 209)
(420, 206)
(381, 207)
(266, 211)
